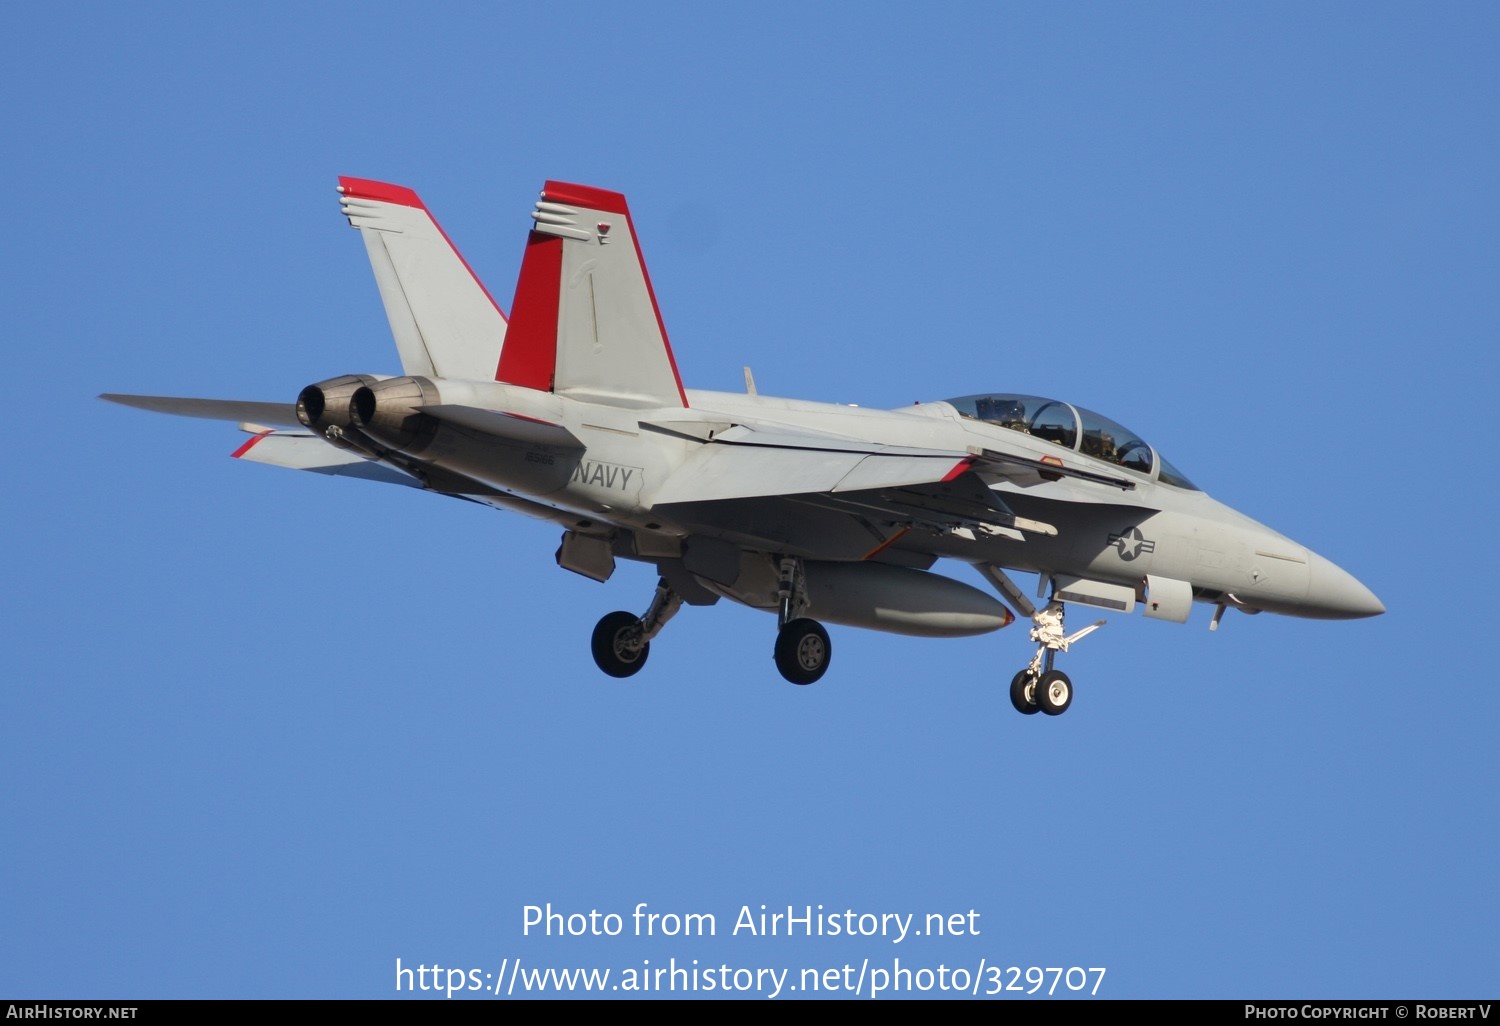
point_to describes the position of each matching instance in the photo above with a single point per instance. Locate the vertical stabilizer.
(444, 321)
(585, 321)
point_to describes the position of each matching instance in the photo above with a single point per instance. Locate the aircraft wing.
(747, 474)
(898, 485)
(744, 462)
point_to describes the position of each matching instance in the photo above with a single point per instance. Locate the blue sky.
(264, 733)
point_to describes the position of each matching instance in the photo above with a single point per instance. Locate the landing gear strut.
(1039, 687)
(802, 646)
(622, 641)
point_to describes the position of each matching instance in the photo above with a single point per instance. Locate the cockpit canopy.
(1072, 427)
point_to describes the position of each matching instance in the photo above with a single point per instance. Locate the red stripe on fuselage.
(529, 357)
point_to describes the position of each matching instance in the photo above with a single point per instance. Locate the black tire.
(1025, 706)
(1054, 693)
(803, 651)
(612, 651)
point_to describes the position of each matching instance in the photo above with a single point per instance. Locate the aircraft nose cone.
(1334, 594)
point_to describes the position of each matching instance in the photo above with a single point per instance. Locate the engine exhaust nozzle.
(390, 412)
(327, 403)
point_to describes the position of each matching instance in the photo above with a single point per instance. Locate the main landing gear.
(1039, 687)
(622, 641)
(802, 646)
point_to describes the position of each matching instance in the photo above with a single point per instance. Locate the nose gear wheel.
(1039, 687)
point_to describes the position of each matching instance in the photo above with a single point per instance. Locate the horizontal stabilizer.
(443, 319)
(308, 452)
(273, 414)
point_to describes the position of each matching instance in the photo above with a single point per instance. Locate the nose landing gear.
(1039, 687)
(1052, 694)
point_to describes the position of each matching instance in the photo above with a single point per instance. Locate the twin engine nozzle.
(329, 403)
(355, 408)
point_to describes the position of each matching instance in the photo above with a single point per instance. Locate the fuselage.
(1106, 534)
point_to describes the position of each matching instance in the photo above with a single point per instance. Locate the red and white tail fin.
(585, 322)
(444, 321)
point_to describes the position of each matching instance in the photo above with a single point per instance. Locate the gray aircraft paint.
(755, 498)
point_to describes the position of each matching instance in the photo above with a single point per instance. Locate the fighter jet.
(573, 411)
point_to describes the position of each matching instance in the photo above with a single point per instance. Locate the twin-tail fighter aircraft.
(574, 412)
